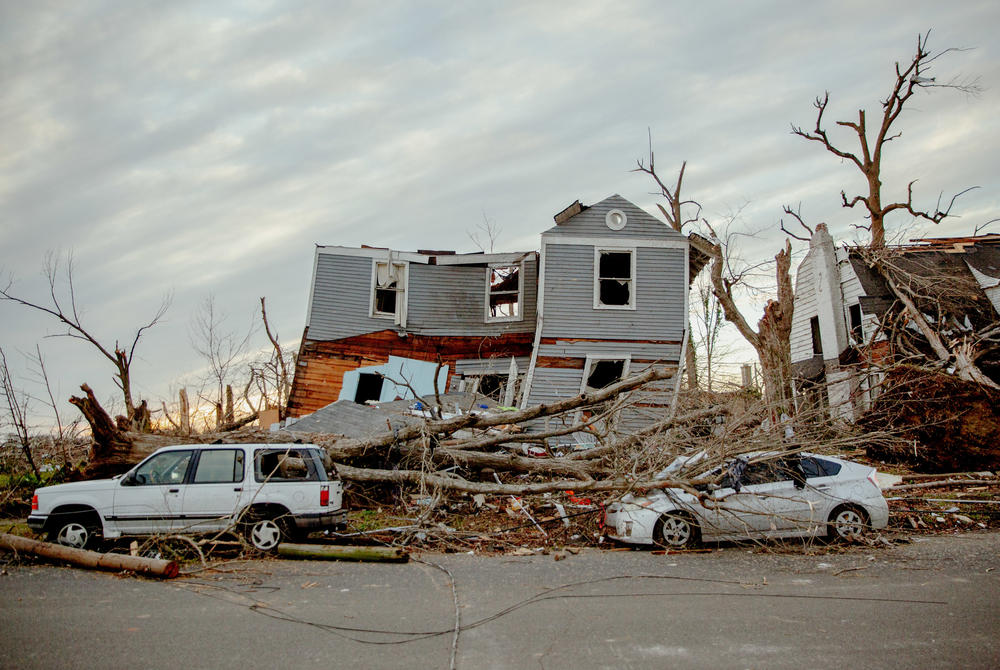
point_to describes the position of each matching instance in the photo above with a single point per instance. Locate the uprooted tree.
(66, 313)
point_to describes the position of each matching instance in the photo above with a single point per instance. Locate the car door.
(823, 490)
(148, 499)
(768, 502)
(215, 490)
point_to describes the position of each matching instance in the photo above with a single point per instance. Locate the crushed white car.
(757, 495)
(270, 492)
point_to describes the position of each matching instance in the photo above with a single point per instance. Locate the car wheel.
(265, 534)
(847, 522)
(675, 530)
(75, 533)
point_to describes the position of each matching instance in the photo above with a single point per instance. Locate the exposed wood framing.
(321, 365)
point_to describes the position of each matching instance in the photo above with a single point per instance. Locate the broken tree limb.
(454, 483)
(648, 431)
(151, 567)
(353, 448)
(940, 483)
(959, 356)
(326, 552)
(513, 462)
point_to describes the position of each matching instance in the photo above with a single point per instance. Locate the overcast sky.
(193, 148)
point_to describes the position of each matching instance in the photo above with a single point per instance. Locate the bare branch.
(796, 214)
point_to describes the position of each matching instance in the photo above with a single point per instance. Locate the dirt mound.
(944, 424)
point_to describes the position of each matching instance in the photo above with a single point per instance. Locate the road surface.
(932, 603)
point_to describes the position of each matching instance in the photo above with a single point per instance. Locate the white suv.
(268, 491)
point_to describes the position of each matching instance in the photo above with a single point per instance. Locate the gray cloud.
(193, 147)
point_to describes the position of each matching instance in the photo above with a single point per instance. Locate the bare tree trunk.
(230, 412)
(109, 454)
(774, 343)
(284, 383)
(185, 412)
(691, 363)
(151, 567)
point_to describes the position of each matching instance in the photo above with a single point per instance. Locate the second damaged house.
(605, 298)
(850, 325)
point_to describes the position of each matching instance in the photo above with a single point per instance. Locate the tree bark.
(185, 411)
(775, 329)
(321, 552)
(109, 453)
(151, 567)
(691, 364)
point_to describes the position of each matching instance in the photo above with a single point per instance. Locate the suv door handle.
(174, 491)
(238, 488)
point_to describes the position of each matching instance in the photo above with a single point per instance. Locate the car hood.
(659, 496)
(79, 487)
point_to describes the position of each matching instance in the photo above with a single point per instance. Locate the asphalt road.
(929, 604)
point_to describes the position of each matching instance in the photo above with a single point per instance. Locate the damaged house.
(844, 309)
(605, 297)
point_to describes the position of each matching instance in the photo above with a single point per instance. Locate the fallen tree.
(151, 567)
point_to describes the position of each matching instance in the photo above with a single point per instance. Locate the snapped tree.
(771, 338)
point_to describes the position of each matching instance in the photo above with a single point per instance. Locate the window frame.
(816, 336)
(315, 472)
(520, 293)
(856, 327)
(594, 358)
(633, 254)
(402, 291)
(242, 466)
(132, 478)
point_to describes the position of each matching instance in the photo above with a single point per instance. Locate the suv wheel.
(75, 533)
(265, 534)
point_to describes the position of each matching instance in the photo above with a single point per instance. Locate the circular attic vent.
(615, 219)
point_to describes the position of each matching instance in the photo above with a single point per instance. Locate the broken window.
(369, 387)
(857, 329)
(604, 373)
(817, 340)
(287, 465)
(492, 386)
(504, 293)
(614, 278)
(388, 297)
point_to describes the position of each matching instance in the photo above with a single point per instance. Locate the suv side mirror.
(132, 479)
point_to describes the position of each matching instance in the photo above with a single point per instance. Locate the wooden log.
(151, 567)
(329, 552)
(941, 484)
